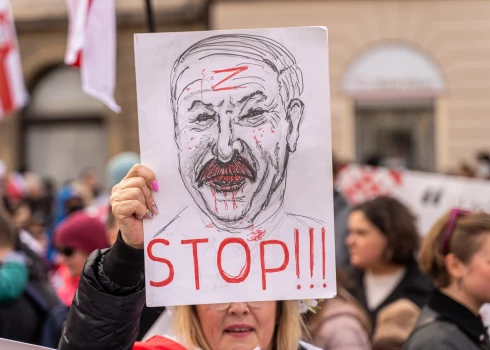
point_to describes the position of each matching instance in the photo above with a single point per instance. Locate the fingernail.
(155, 208)
(154, 184)
(149, 214)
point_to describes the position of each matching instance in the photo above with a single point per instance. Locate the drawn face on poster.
(236, 124)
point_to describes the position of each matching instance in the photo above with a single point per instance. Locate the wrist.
(128, 242)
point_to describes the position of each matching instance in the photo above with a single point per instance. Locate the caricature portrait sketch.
(237, 115)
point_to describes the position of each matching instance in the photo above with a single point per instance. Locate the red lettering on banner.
(275, 269)
(6, 46)
(170, 277)
(194, 243)
(245, 269)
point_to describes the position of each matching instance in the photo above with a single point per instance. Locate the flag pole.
(150, 17)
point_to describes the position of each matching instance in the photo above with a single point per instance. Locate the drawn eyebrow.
(252, 95)
(197, 103)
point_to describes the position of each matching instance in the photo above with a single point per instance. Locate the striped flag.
(92, 47)
(13, 94)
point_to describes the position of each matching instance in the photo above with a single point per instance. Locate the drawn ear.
(295, 117)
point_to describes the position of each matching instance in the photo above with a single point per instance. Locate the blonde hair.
(289, 326)
(464, 242)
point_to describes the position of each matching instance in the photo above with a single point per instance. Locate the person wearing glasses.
(456, 255)
(111, 295)
(75, 238)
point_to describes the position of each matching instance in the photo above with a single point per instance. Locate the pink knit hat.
(81, 231)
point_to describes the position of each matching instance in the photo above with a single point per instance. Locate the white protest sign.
(429, 196)
(236, 127)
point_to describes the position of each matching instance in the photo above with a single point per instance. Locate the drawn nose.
(225, 147)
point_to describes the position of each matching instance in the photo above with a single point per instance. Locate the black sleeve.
(105, 314)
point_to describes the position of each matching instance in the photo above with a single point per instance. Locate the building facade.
(410, 80)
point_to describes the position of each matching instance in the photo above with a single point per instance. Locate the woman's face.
(365, 241)
(240, 326)
(74, 259)
(476, 273)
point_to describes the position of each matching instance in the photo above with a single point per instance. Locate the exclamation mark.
(312, 254)
(323, 256)
(296, 253)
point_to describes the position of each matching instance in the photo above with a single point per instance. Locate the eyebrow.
(252, 95)
(197, 103)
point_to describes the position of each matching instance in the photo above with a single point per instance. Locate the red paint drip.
(323, 253)
(210, 225)
(233, 199)
(312, 252)
(296, 251)
(202, 80)
(215, 200)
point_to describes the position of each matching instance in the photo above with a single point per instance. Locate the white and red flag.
(13, 94)
(92, 47)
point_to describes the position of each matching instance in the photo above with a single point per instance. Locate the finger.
(140, 183)
(126, 209)
(133, 193)
(143, 171)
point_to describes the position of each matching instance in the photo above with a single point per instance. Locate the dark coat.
(446, 324)
(414, 286)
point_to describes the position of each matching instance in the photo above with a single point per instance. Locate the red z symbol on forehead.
(235, 71)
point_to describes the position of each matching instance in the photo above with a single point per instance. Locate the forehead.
(217, 77)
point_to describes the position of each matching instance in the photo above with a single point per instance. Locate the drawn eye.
(205, 118)
(254, 117)
(253, 113)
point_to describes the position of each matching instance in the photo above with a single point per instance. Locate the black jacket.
(106, 309)
(446, 324)
(414, 286)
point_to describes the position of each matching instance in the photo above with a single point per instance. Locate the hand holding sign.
(131, 201)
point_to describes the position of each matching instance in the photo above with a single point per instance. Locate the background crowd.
(384, 276)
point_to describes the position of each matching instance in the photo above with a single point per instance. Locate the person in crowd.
(13, 270)
(483, 165)
(22, 317)
(456, 256)
(383, 240)
(394, 324)
(341, 209)
(111, 295)
(74, 239)
(340, 323)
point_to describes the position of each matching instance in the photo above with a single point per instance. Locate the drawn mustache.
(233, 171)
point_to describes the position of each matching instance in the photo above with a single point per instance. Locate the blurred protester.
(13, 270)
(483, 165)
(340, 323)
(382, 242)
(341, 209)
(465, 170)
(395, 322)
(456, 255)
(75, 238)
(22, 318)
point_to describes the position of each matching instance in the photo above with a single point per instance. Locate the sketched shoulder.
(304, 221)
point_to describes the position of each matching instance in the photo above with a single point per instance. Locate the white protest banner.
(236, 127)
(13, 94)
(428, 195)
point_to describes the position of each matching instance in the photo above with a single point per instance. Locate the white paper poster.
(236, 127)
